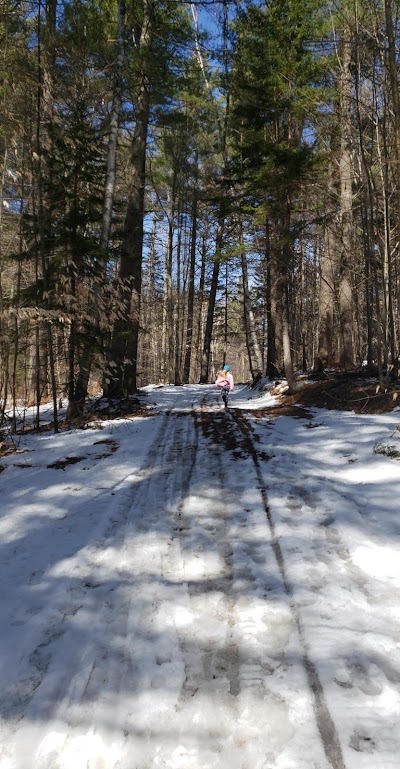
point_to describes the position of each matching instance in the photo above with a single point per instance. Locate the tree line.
(185, 184)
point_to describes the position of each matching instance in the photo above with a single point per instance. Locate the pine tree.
(162, 26)
(277, 81)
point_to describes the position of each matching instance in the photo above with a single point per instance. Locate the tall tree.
(276, 93)
(126, 329)
(46, 33)
(159, 33)
(92, 337)
(346, 204)
(252, 342)
(226, 55)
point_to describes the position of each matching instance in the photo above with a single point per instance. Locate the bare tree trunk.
(124, 344)
(205, 362)
(368, 258)
(170, 308)
(394, 87)
(346, 208)
(390, 248)
(169, 301)
(165, 319)
(113, 135)
(273, 333)
(178, 309)
(387, 326)
(4, 347)
(206, 357)
(200, 321)
(299, 307)
(190, 304)
(253, 347)
(226, 319)
(93, 335)
(287, 352)
(15, 354)
(368, 209)
(48, 99)
(148, 356)
(45, 104)
(284, 271)
(327, 278)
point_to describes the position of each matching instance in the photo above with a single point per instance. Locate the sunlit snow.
(201, 589)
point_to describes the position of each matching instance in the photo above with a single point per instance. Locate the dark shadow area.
(177, 624)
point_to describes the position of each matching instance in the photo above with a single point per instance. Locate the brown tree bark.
(45, 108)
(124, 346)
(274, 331)
(190, 301)
(93, 335)
(392, 59)
(327, 276)
(346, 208)
(205, 361)
(284, 271)
(253, 347)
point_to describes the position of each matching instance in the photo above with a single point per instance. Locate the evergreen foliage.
(256, 185)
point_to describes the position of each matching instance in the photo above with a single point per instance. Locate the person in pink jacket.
(225, 383)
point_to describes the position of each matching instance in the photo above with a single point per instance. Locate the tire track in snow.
(52, 620)
(130, 618)
(119, 705)
(326, 726)
(229, 711)
(218, 665)
(242, 631)
(61, 688)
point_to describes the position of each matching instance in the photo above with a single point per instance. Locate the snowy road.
(194, 627)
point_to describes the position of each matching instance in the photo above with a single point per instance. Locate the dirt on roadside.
(345, 393)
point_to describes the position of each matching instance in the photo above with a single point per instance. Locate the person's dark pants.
(225, 393)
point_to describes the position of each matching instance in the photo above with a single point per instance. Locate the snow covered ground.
(201, 589)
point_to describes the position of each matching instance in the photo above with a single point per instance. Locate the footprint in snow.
(362, 675)
(362, 743)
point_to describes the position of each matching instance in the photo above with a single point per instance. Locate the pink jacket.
(226, 379)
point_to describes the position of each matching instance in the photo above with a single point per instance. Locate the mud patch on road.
(61, 464)
(284, 410)
(220, 428)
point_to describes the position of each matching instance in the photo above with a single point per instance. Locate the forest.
(189, 184)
